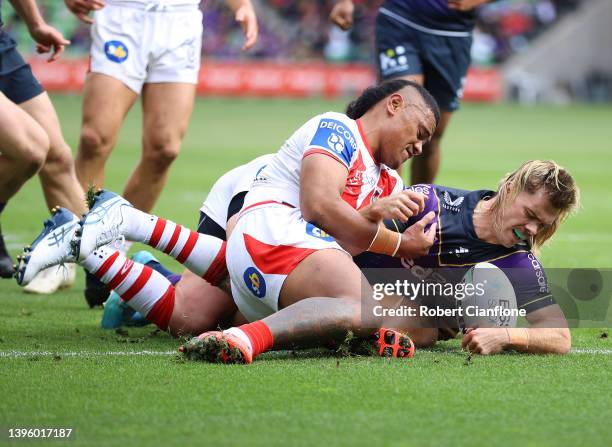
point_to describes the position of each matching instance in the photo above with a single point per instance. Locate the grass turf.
(439, 397)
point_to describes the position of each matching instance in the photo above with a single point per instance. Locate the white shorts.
(268, 242)
(139, 46)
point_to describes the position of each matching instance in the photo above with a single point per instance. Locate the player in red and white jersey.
(279, 257)
(339, 137)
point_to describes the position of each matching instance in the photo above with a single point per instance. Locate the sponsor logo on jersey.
(255, 282)
(423, 273)
(116, 51)
(539, 272)
(459, 251)
(318, 233)
(450, 204)
(336, 136)
(393, 60)
(423, 189)
(335, 143)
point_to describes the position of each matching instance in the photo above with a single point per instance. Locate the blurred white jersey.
(229, 184)
(154, 4)
(339, 137)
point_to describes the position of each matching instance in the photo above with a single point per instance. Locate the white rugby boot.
(103, 224)
(52, 247)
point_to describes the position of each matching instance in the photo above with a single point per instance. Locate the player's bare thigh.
(167, 109)
(106, 102)
(199, 306)
(329, 272)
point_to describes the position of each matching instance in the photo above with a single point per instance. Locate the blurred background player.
(30, 137)
(426, 41)
(149, 48)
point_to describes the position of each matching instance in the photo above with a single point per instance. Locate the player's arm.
(322, 181)
(401, 206)
(548, 334)
(244, 13)
(82, 8)
(46, 37)
(342, 14)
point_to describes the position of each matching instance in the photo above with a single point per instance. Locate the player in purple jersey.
(426, 41)
(504, 228)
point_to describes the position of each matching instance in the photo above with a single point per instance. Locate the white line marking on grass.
(83, 354)
(601, 351)
(16, 354)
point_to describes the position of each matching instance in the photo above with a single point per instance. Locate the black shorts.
(442, 60)
(206, 225)
(17, 81)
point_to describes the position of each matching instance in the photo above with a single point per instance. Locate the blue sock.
(171, 276)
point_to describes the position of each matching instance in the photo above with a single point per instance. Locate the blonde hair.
(559, 185)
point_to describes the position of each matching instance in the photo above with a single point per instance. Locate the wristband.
(385, 241)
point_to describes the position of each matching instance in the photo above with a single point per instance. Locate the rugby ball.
(488, 298)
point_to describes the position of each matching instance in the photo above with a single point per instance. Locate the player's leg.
(106, 101)
(398, 54)
(111, 217)
(23, 148)
(445, 64)
(199, 306)
(167, 109)
(307, 321)
(279, 268)
(57, 176)
(424, 168)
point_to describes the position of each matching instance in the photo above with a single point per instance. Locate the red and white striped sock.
(204, 255)
(144, 289)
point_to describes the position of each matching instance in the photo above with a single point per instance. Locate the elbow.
(313, 211)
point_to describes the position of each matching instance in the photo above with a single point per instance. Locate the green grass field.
(59, 369)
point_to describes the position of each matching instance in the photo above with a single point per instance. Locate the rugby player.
(505, 228)
(150, 48)
(429, 42)
(341, 163)
(466, 221)
(31, 140)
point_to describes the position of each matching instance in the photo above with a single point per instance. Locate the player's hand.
(245, 15)
(81, 8)
(342, 14)
(48, 39)
(416, 239)
(465, 5)
(402, 206)
(485, 341)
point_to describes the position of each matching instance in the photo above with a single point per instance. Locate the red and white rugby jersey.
(339, 137)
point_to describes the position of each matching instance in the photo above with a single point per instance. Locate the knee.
(93, 144)
(160, 152)
(33, 153)
(59, 160)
